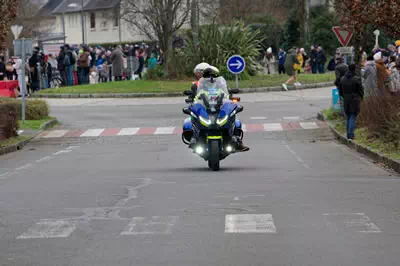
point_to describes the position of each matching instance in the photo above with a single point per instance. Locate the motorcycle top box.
(212, 131)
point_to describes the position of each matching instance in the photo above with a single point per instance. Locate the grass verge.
(35, 124)
(363, 137)
(12, 141)
(154, 86)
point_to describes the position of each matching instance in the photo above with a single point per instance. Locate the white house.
(101, 21)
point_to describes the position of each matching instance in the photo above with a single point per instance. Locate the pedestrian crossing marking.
(155, 225)
(309, 125)
(353, 221)
(249, 223)
(47, 228)
(136, 131)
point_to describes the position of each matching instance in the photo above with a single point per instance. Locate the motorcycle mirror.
(239, 109)
(234, 91)
(186, 111)
(188, 100)
(188, 93)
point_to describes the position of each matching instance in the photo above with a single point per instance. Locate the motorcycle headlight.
(205, 122)
(222, 121)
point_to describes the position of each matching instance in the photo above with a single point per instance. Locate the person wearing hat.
(269, 62)
(370, 78)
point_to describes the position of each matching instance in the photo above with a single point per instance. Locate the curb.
(377, 157)
(19, 146)
(168, 94)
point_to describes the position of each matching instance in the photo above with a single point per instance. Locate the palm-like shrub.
(218, 43)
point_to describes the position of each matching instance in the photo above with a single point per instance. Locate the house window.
(93, 20)
(116, 17)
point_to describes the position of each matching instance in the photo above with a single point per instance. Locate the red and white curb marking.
(110, 132)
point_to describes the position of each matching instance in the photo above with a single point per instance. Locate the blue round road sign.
(236, 64)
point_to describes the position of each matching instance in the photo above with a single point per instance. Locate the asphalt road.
(297, 198)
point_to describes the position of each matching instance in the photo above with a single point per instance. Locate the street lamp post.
(82, 23)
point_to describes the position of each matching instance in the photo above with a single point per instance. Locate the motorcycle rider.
(204, 70)
(198, 73)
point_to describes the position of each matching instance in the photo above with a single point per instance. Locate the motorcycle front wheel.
(213, 161)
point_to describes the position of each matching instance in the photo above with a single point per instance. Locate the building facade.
(87, 21)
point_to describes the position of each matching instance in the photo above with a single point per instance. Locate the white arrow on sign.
(238, 64)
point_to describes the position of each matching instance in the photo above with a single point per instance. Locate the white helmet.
(214, 69)
(200, 68)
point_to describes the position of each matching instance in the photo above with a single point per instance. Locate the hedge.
(34, 109)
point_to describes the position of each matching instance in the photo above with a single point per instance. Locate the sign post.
(22, 48)
(377, 33)
(236, 65)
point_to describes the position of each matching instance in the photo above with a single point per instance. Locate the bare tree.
(255, 9)
(159, 20)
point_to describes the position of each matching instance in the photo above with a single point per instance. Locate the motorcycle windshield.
(210, 91)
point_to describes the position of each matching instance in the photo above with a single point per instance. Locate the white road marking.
(73, 147)
(50, 229)
(164, 130)
(2, 175)
(23, 167)
(128, 131)
(291, 118)
(308, 125)
(298, 158)
(150, 226)
(93, 132)
(259, 118)
(56, 134)
(357, 221)
(273, 127)
(249, 223)
(62, 152)
(43, 159)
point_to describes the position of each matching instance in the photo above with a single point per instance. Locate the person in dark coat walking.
(352, 91)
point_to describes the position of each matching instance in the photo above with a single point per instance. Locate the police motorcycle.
(212, 130)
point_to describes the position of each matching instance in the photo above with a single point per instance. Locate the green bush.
(156, 73)
(218, 43)
(34, 109)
